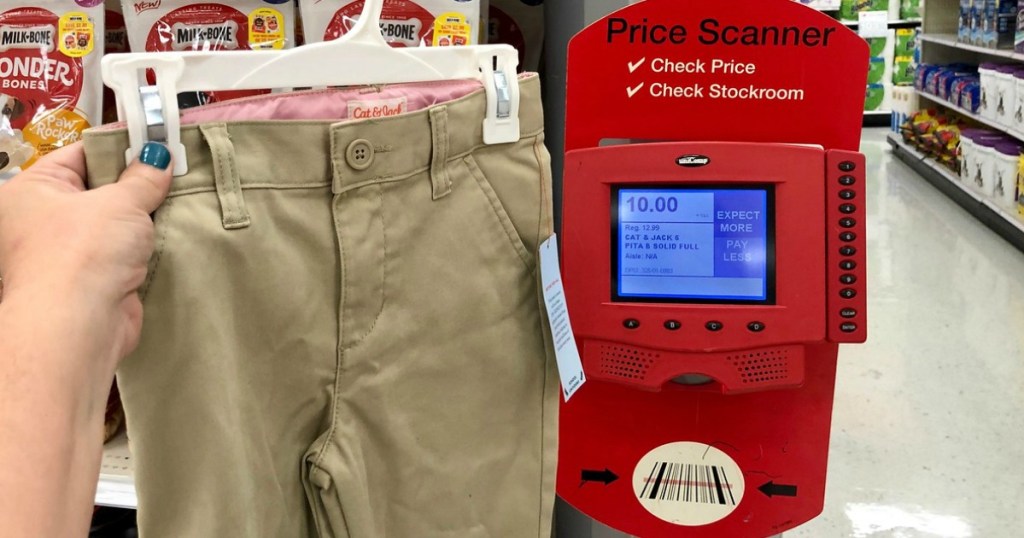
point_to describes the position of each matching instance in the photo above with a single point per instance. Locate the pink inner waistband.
(332, 104)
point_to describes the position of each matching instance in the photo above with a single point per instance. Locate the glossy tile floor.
(928, 428)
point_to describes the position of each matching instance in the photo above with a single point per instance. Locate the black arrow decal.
(772, 489)
(606, 476)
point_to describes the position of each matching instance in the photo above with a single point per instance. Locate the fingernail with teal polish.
(156, 155)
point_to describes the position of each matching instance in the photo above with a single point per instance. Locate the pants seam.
(384, 275)
(158, 252)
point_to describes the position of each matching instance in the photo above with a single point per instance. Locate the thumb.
(147, 181)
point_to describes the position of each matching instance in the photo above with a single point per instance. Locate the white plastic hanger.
(359, 57)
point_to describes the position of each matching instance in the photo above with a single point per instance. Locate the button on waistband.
(359, 154)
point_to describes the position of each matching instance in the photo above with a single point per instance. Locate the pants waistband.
(288, 153)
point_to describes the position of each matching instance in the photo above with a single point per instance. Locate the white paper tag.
(873, 24)
(570, 367)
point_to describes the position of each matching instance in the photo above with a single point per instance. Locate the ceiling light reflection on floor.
(870, 520)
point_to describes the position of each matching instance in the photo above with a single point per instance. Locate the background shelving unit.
(882, 118)
(939, 45)
(116, 487)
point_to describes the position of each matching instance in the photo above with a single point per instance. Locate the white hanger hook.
(367, 28)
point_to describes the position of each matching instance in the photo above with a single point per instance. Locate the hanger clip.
(153, 110)
(501, 125)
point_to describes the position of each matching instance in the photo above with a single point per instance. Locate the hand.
(67, 248)
(71, 261)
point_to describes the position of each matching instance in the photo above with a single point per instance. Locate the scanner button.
(848, 327)
(848, 293)
(673, 325)
(755, 326)
(846, 181)
(714, 326)
(631, 324)
(848, 313)
(847, 166)
(847, 194)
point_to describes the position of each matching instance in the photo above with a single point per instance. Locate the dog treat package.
(50, 86)
(181, 25)
(404, 23)
(519, 23)
(116, 41)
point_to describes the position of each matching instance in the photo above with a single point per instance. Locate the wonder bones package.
(180, 25)
(404, 23)
(50, 86)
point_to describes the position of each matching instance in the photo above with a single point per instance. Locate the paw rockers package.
(50, 86)
(404, 23)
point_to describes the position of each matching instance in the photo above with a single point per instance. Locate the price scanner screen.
(693, 245)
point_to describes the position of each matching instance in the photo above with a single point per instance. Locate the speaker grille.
(627, 362)
(761, 366)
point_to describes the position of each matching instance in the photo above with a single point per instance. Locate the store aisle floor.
(928, 428)
(929, 415)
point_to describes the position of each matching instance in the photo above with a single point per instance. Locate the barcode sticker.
(688, 483)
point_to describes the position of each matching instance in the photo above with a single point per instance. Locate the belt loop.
(225, 173)
(439, 177)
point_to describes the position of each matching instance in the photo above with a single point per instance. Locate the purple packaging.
(1008, 147)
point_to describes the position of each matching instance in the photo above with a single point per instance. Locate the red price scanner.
(712, 275)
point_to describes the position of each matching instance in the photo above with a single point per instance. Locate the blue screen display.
(694, 245)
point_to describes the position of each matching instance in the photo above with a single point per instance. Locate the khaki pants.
(344, 334)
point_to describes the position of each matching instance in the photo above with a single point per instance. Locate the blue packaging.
(977, 16)
(999, 24)
(921, 77)
(963, 33)
(970, 97)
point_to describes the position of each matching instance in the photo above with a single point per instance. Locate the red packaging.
(404, 23)
(50, 87)
(116, 41)
(181, 25)
(519, 23)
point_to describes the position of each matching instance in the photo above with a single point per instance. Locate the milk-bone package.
(519, 23)
(50, 86)
(404, 23)
(178, 25)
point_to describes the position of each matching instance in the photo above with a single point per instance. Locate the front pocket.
(499, 212)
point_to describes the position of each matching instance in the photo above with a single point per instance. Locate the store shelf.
(949, 40)
(901, 23)
(116, 487)
(964, 112)
(1007, 224)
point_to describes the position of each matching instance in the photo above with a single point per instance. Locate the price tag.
(873, 24)
(570, 367)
